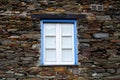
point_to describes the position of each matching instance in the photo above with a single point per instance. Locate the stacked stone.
(98, 40)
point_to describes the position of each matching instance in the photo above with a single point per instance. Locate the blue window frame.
(56, 38)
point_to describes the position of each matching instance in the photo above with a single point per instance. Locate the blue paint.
(60, 21)
(75, 37)
(42, 43)
(75, 43)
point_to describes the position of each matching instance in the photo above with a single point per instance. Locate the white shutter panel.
(67, 43)
(50, 43)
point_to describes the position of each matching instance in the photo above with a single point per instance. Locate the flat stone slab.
(58, 16)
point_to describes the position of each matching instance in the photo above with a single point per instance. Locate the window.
(93, 7)
(58, 42)
(100, 7)
(97, 7)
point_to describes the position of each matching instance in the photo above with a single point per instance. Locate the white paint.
(58, 44)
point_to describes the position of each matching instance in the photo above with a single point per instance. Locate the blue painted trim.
(42, 43)
(60, 21)
(75, 43)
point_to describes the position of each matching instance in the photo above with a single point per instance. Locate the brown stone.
(34, 70)
(83, 78)
(34, 36)
(59, 69)
(115, 41)
(117, 34)
(11, 44)
(1, 72)
(85, 6)
(26, 45)
(73, 77)
(47, 73)
(87, 36)
(60, 10)
(50, 9)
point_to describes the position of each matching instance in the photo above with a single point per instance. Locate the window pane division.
(66, 29)
(67, 42)
(50, 55)
(50, 42)
(67, 55)
(50, 29)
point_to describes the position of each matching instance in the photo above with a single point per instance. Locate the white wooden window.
(58, 42)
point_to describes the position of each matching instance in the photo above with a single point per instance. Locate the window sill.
(58, 65)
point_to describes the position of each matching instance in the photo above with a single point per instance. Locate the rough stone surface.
(98, 40)
(101, 35)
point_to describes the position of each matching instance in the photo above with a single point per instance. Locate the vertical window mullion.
(60, 49)
(57, 43)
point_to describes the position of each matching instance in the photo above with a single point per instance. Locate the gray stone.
(84, 45)
(35, 46)
(111, 70)
(14, 37)
(34, 36)
(11, 30)
(19, 74)
(85, 40)
(23, 14)
(107, 17)
(101, 35)
(10, 57)
(47, 77)
(94, 74)
(60, 77)
(27, 58)
(30, 55)
(7, 13)
(31, 75)
(118, 71)
(98, 70)
(100, 75)
(11, 78)
(116, 77)
(75, 71)
(10, 72)
(114, 59)
(9, 51)
(108, 26)
(6, 42)
(31, 7)
(118, 16)
(3, 79)
(106, 74)
(26, 62)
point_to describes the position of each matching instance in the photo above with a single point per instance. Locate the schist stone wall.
(98, 40)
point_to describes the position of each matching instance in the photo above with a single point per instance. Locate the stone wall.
(98, 36)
